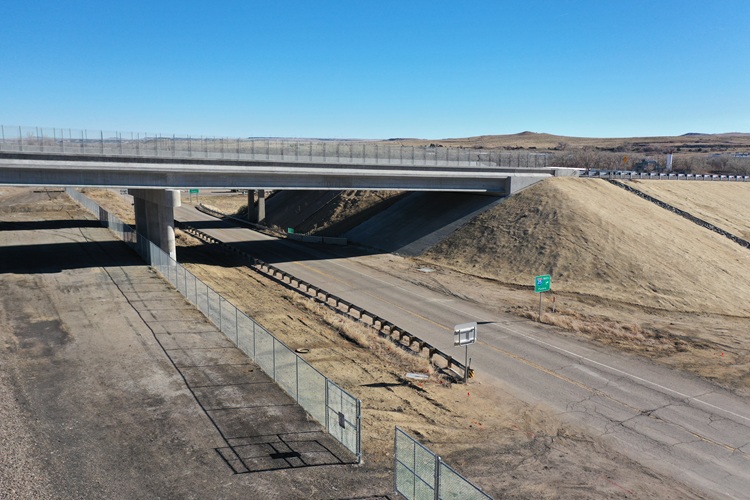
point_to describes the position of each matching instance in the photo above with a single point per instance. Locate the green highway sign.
(542, 283)
(194, 191)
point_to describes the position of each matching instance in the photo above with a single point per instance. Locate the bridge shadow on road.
(21, 255)
(40, 225)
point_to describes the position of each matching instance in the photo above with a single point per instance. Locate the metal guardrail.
(664, 177)
(337, 410)
(131, 144)
(420, 474)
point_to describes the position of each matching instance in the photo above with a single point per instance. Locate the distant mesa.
(692, 133)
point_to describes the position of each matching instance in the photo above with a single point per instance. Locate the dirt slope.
(317, 212)
(598, 239)
(418, 221)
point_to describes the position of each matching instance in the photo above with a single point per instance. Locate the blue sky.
(367, 69)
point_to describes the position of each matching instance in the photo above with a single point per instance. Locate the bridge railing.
(358, 152)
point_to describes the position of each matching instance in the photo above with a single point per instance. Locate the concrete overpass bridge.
(155, 167)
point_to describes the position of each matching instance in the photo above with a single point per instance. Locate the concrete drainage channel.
(398, 335)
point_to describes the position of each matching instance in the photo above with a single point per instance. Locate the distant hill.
(690, 142)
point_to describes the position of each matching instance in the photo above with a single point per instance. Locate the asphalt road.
(671, 422)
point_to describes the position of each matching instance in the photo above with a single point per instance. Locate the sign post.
(192, 192)
(463, 335)
(542, 284)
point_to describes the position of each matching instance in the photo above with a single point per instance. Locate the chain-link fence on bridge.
(350, 152)
(329, 404)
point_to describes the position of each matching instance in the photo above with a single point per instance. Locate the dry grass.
(113, 202)
(366, 337)
(607, 330)
(598, 239)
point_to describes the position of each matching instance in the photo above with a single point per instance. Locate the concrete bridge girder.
(146, 173)
(154, 216)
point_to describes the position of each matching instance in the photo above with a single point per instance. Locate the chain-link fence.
(326, 402)
(351, 152)
(422, 475)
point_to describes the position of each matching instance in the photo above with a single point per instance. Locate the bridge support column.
(260, 210)
(250, 216)
(154, 216)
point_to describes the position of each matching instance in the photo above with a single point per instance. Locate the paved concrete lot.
(113, 386)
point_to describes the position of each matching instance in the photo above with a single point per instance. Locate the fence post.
(327, 405)
(437, 476)
(359, 430)
(296, 377)
(395, 460)
(208, 304)
(236, 327)
(414, 472)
